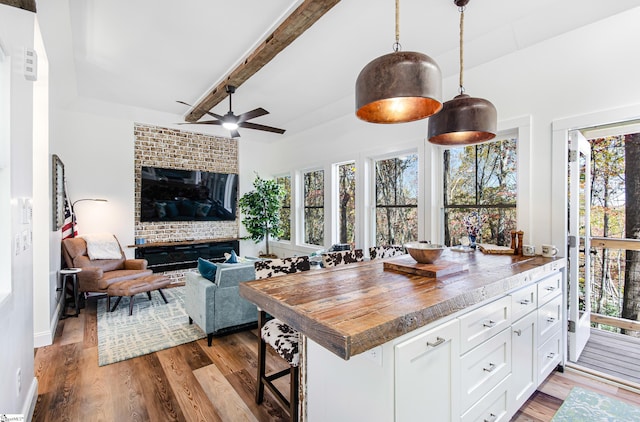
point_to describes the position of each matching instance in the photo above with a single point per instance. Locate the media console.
(167, 256)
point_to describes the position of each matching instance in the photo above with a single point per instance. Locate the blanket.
(102, 246)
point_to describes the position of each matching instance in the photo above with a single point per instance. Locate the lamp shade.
(464, 120)
(399, 87)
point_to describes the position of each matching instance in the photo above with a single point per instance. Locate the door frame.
(559, 191)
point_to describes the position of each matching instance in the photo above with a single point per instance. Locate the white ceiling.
(150, 53)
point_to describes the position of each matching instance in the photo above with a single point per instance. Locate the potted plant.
(261, 209)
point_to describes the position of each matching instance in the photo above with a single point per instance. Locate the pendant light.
(399, 87)
(464, 120)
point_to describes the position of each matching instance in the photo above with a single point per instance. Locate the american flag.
(68, 228)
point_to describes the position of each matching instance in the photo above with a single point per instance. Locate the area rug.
(154, 326)
(583, 405)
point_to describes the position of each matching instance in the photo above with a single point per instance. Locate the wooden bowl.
(424, 253)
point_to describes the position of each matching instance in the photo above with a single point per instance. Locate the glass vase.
(472, 241)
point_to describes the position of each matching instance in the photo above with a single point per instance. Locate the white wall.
(19, 385)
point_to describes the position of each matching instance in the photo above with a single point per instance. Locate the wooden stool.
(134, 286)
(286, 342)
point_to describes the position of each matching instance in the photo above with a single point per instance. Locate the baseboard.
(45, 338)
(30, 404)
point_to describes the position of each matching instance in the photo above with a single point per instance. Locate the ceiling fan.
(232, 122)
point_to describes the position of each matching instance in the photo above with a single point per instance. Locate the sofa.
(216, 306)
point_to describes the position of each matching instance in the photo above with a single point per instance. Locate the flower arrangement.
(473, 222)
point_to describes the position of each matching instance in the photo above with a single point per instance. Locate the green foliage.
(261, 209)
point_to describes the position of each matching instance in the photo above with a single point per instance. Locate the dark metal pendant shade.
(464, 120)
(399, 87)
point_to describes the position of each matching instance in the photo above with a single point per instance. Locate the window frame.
(302, 227)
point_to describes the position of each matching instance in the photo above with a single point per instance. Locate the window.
(347, 202)
(483, 179)
(314, 207)
(285, 209)
(396, 200)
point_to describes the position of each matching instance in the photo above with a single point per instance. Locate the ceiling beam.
(299, 21)
(29, 5)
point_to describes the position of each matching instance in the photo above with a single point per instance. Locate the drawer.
(491, 408)
(483, 323)
(549, 287)
(484, 367)
(549, 319)
(549, 356)
(524, 301)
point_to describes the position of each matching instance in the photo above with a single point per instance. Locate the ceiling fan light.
(230, 125)
(464, 120)
(399, 87)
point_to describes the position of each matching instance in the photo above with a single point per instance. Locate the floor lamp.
(73, 212)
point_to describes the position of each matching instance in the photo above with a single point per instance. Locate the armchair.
(98, 274)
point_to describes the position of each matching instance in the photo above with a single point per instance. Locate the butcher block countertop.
(353, 308)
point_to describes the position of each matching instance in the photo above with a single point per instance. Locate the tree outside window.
(397, 200)
(347, 202)
(285, 210)
(481, 178)
(314, 207)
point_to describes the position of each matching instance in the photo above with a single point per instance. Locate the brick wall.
(170, 148)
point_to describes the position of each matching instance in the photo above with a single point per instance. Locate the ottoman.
(137, 285)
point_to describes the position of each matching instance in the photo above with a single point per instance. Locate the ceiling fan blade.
(234, 133)
(252, 114)
(217, 116)
(205, 122)
(256, 126)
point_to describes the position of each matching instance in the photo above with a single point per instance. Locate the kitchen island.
(360, 320)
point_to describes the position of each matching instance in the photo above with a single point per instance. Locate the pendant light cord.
(461, 89)
(396, 46)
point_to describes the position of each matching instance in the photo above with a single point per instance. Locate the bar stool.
(65, 274)
(285, 340)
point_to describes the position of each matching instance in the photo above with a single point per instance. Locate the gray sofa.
(217, 307)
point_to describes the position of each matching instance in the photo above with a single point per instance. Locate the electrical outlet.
(375, 355)
(19, 381)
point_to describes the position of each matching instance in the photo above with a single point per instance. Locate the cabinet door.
(549, 318)
(484, 367)
(427, 375)
(549, 287)
(524, 359)
(524, 301)
(483, 323)
(549, 355)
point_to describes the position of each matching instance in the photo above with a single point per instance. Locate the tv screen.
(184, 195)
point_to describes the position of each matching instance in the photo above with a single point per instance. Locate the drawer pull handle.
(550, 288)
(551, 355)
(438, 342)
(518, 332)
(490, 368)
(551, 320)
(492, 418)
(525, 302)
(489, 324)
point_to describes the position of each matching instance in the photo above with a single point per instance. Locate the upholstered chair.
(98, 274)
(386, 251)
(282, 338)
(331, 259)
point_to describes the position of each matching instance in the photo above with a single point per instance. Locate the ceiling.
(150, 53)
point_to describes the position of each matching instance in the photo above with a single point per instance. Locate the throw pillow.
(232, 259)
(207, 269)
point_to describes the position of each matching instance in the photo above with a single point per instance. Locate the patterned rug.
(154, 326)
(583, 405)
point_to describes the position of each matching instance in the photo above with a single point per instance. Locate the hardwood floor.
(194, 382)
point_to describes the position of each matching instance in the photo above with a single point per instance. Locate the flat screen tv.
(187, 195)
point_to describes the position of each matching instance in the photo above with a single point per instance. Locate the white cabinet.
(484, 364)
(484, 367)
(485, 322)
(524, 352)
(427, 374)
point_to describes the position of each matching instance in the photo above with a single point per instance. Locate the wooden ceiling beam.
(299, 21)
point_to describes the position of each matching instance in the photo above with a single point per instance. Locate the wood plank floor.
(194, 382)
(614, 354)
